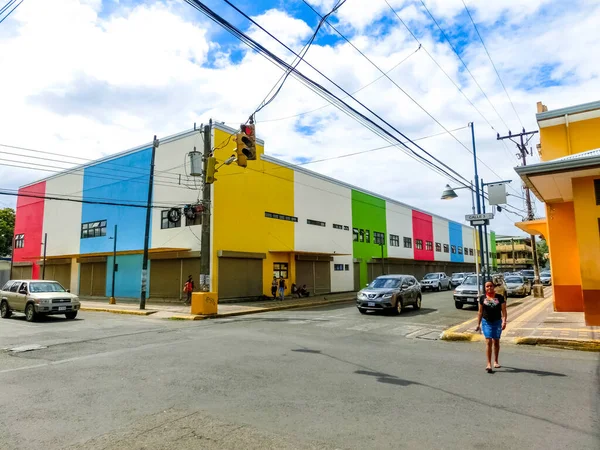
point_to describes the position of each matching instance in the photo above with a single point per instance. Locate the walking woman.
(492, 319)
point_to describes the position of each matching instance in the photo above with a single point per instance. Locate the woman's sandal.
(489, 370)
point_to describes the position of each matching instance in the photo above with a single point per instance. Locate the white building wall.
(62, 220)
(469, 237)
(328, 202)
(169, 164)
(441, 234)
(399, 222)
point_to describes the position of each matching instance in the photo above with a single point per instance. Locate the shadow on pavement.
(541, 373)
(42, 319)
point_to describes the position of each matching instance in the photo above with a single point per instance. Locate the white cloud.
(86, 84)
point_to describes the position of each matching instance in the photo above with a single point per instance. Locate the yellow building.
(568, 182)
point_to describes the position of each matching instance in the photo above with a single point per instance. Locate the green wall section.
(493, 249)
(368, 213)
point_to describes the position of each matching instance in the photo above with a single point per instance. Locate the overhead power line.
(9, 12)
(493, 65)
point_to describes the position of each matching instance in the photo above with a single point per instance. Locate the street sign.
(471, 217)
(479, 222)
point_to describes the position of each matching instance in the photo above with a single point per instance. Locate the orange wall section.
(564, 257)
(587, 215)
(241, 197)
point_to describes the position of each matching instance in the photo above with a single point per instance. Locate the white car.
(435, 281)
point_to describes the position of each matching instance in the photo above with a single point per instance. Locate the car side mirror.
(69, 291)
(404, 286)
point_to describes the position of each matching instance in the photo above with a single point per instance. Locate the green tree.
(542, 253)
(7, 230)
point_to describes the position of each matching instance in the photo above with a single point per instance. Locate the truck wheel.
(458, 305)
(71, 315)
(5, 311)
(30, 315)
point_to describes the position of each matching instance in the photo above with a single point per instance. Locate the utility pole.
(44, 268)
(155, 144)
(477, 194)
(205, 235)
(524, 138)
(486, 271)
(512, 241)
(112, 300)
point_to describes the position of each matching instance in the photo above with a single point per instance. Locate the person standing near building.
(282, 287)
(188, 288)
(492, 319)
(274, 287)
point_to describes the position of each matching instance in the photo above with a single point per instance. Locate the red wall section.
(422, 229)
(30, 222)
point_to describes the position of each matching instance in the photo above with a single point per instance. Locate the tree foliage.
(542, 253)
(7, 229)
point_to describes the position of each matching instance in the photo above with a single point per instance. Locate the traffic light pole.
(205, 235)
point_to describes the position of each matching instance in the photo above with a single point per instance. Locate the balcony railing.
(507, 248)
(509, 261)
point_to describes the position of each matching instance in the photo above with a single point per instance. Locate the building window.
(453, 248)
(166, 223)
(438, 247)
(394, 240)
(367, 236)
(338, 267)
(597, 190)
(446, 248)
(272, 215)
(355, 234)
(280, 270)
(19, 241)
(378, 238)
(460, 252)
(419, 244)
(361, 235)
(429, 246)
(346, 266)
(93, 229)
(193, 219)
(407, 242)
(470, 252)
(338, 227)
(346, 228)
(315, 222)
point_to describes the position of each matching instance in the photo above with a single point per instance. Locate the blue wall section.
(128, 279)
(456, 238)
(113, 181)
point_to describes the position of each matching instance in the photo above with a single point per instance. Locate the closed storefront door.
(60, 273)
(92, 279)
(165, 278)
(191, 266)
(240, 278)
(357, 286)
(315, 274)
(21, 272)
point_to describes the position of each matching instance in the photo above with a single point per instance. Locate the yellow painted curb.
(118, 311)
(451, 336)
(592, 345)
(186, 317)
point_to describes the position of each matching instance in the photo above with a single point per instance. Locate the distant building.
(568, 181)
(514, 253)
(269, 219)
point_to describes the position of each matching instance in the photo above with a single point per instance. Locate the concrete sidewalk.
(533, 321)
(177, 311)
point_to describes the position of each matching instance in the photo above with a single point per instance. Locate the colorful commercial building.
(269, 219)
(568, 182)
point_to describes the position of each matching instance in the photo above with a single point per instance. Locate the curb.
(118, 311)
(587, 346)
(456, 337)
(279, 308)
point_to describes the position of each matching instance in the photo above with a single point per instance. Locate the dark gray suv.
(390, 293)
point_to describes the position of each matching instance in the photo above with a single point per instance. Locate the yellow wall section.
(586, 219)
(241, 197)
(583, 136)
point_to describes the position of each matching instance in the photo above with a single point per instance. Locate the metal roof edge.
(165, 140)
(568, 110)
(296, 168)
(561, 165)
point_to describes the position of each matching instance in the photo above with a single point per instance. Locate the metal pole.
(12, 257)
(486, 272)
(155, 144)
(112, 300)
(477, 194)
(512, 241)
(205, 236)
(44, 268)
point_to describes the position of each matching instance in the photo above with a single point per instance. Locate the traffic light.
(241, 150)
(210, 170)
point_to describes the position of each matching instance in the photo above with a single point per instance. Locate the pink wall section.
(30, 222)
(422, 229)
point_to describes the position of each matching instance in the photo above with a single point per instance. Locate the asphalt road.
(320, 378)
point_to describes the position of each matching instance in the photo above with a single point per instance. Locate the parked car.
(37, 297)
(467, 293)
(546, 278)
(390, 293)
(435, 281)
(458, 278)
(517, 285)
(529, 274)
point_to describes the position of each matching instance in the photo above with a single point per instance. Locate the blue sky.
(97, 77)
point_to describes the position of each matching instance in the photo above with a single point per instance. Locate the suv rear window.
(14, 287)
